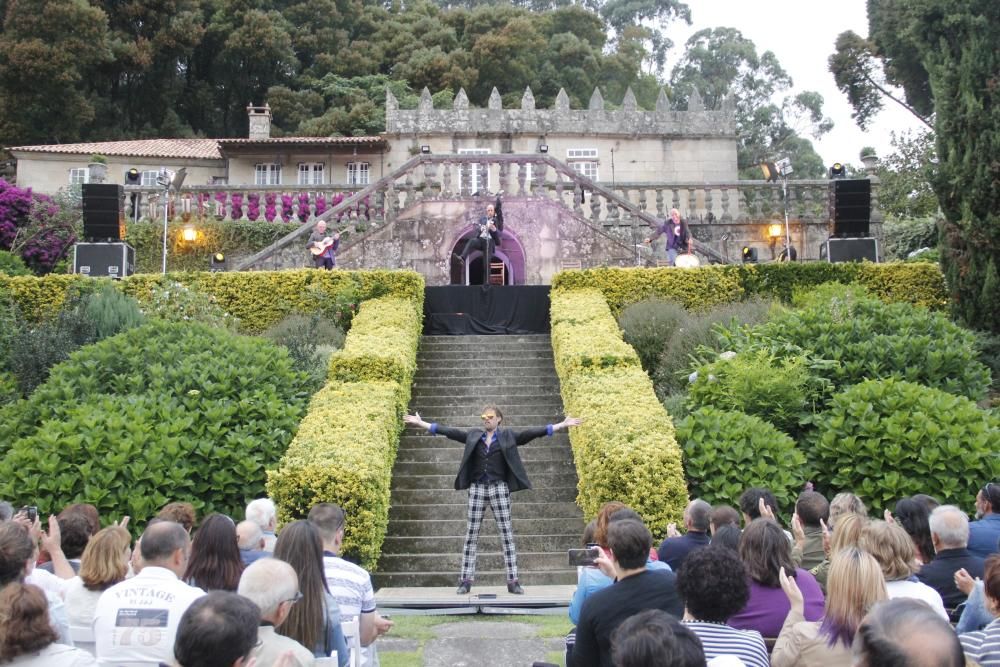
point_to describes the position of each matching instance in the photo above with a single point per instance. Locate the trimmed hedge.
(258, 299)
(625, 449)
(346, 445)
(921, 284)
(166, 411)
(888, 439)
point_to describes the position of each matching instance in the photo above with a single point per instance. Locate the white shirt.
(80, 603)
(271, 646)
(137, 619)
(54, 655)
(351, 587)
(47, 581)
(919, 591)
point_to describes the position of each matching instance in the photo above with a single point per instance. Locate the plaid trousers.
(498, 496)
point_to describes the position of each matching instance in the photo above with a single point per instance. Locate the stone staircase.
(423, 546)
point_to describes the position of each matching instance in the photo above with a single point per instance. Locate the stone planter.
(870, 162)
(98, 172)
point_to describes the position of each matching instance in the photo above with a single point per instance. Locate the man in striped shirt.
(713, 584)
(349, 584)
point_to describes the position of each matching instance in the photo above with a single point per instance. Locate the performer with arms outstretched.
(679, 238)
(491, 469)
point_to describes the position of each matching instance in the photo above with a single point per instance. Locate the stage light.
(217, 262)
(543, 148)
(769, 170)
(189, 234)
(749, 255)
(425, 149)
(133, 177)
(838, 171)
(775, 231)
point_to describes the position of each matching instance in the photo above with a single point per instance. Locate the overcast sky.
(801, 33)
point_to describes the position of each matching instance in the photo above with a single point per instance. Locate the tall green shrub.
(648, 325)
(167, 411)
(887, 439)
(726, 452)
(111, 312)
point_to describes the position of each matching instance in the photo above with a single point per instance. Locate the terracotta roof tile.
(206, 149)
(302, 140)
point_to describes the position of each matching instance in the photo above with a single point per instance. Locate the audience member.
(152, 602)
(263, 513)
(635, 590)
(984, 533)
(27, 638)
(676, 547)
(811, 511)
(179, 512)
(75, 531)
(765, 550)
(105, 563)
(983, 646)
(591, 579)
(914, 517)
(273, 586)
(950, 535)
(975, 615)
(217, 630)
(855, 584)
(728, 536)
(845, 503)
(930, 503)
(314, 621)
(889, 544)
(849, 527)
(723, 515)
(349, 584)
(250, 540)
(215, 563)
(713, 584)
(906, 633)
(750, 501)
(6, 511)
(654, 637)
(88, 512)
(18, 552)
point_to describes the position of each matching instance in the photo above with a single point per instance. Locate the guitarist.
(323, 247)
(487, 238)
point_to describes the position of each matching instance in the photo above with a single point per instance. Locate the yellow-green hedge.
(343, 452)
(585, 335)
(258, 299)
(346, 445)
(919, 283)
(625, 449)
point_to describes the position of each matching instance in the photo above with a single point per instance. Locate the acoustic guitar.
(319, 247)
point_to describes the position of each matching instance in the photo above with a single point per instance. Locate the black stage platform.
(457, 310)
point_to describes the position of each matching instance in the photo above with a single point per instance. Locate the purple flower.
(286, 207)
(270, 212)
(237, 210)
(303, 206)
(253, 209)
(320, 205)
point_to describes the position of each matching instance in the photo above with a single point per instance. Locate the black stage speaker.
(849, 250)
(102, 260)
(852, 207)
(103, 211)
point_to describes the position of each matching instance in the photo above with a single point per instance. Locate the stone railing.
(621, 210)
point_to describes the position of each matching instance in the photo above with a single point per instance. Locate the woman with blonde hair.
(104, 564)
(855, 584)
(891, 546)
(846, 534)
(27, 638)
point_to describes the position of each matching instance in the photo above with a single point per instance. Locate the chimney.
(260, 121)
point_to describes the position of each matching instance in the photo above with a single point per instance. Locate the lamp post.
(168, 180)
(784, 166)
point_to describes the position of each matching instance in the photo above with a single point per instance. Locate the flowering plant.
(236, 212)
(286, 207)
(253, 209)
(303, 206)
(270, 212)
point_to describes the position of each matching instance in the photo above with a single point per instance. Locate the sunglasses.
(484, 417)
(296, 598)
(989, 490)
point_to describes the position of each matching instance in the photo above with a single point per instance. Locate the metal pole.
(788, 233)
(166, 205)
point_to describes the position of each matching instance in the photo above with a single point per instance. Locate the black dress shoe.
(515, 588)
(464, 587)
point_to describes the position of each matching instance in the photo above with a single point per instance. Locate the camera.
(30, 511)
(583, 557)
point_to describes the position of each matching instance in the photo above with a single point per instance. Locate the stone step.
(417, 472)
(494, 363)
(562, 516)
(489, 541)
(449, 496)
(472, 355)
(479, 373)
(463, 418)
(561, 577)
(436, 389)
(453, 455)
(477, 341)
(451, 513)
(523, 399)
(564, 475)
(487, 560)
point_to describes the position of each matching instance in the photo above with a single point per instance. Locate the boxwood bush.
(726, 452)
(887, 439)
(166, 411)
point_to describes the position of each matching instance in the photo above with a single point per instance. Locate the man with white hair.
(950, 536)
(274, 587)
(250, 540)
(263, 513)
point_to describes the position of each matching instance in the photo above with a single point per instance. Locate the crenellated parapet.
(628, 120)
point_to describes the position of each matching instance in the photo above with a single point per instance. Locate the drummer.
(679, 238)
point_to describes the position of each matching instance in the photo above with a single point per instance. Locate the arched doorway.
(510, 252)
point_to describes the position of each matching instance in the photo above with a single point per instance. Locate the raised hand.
(792, 591)
(964, 582)
(798, 532)
(826, 537)
(567, 422)
(765, 510)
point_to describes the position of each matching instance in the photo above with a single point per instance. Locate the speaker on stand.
(103, 212)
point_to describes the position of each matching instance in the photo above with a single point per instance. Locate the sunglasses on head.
(989, 490)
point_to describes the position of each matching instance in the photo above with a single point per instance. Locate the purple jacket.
(679, 242)
(767, 607)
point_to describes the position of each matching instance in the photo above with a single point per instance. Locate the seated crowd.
(219, 595)
(918, 587)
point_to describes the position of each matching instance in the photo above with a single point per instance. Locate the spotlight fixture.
(217, 262)
(749, 255)
(189, 234)
(769, 170)
(775, 231)
(543, 148)
(133, 177)
(425, 149)
(838, 171)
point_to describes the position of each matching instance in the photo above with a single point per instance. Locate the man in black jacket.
(950, 535)
(487, 237)
(491, 470)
